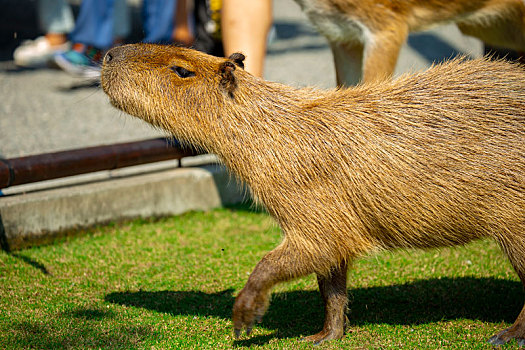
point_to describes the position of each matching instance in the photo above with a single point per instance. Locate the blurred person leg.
(94, 26)
(182, 33)
(158, 20)
(56, 21)
(122, 22)
(93, 33)
(245, 27)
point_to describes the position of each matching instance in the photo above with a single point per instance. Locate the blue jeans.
(95, 24)
(158, 16)
(55, 16)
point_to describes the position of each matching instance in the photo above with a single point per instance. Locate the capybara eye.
(183, 72)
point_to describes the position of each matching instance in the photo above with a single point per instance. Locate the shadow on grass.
(82, 328)
(299, 313)
(32, 262)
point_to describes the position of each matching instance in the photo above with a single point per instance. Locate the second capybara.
(366, 35)
(431, 159)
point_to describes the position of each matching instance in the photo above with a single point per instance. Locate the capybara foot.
(249, 308)
(330, 332)
(506, 335)
(325, 335)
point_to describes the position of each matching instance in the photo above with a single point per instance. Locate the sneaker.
(37, 53)
(81, 64)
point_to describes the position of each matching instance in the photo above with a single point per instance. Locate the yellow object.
(215, 13)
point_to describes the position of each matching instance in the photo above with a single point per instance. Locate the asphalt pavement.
(46, 110)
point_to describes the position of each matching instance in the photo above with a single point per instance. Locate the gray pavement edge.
(41, 216)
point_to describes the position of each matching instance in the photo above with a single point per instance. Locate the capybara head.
(157, 83)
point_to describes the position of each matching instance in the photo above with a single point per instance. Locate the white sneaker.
(37, 53)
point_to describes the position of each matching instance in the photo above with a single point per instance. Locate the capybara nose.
(116, 55)
(108, 58)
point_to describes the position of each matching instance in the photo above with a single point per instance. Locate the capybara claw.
(308, 340)
(505, 336)
(323, 336)
(249, 307)
(237, 333)
(496, 341)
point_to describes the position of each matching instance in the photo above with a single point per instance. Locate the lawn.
(170, 284)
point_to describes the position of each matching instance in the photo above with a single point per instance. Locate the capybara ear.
(238, 59)
(228, 81)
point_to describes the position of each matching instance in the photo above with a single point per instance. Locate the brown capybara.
(366, 35)
(427, 160)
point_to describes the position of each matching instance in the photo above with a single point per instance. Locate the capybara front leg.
(381, 53)
(333, 292)
(281, 264)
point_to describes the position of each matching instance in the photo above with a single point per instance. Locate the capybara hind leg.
(281, 264)
(517, 330)
(333, 292)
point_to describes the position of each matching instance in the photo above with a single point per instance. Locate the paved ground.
(47, 110)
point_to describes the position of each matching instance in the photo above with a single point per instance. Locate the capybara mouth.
(105, 82)
(107, 78)
(109, 81)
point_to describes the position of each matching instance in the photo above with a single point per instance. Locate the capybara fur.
(431, 159)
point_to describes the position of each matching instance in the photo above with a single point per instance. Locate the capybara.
(427, 160)
(366, 35)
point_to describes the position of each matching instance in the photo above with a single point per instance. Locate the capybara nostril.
(117, 54)
(108, 58)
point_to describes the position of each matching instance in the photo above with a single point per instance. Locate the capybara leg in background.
(333, 292)
(366, 35)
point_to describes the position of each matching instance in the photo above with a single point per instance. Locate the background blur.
(47, 110)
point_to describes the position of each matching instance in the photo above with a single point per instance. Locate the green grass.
(171, 283)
